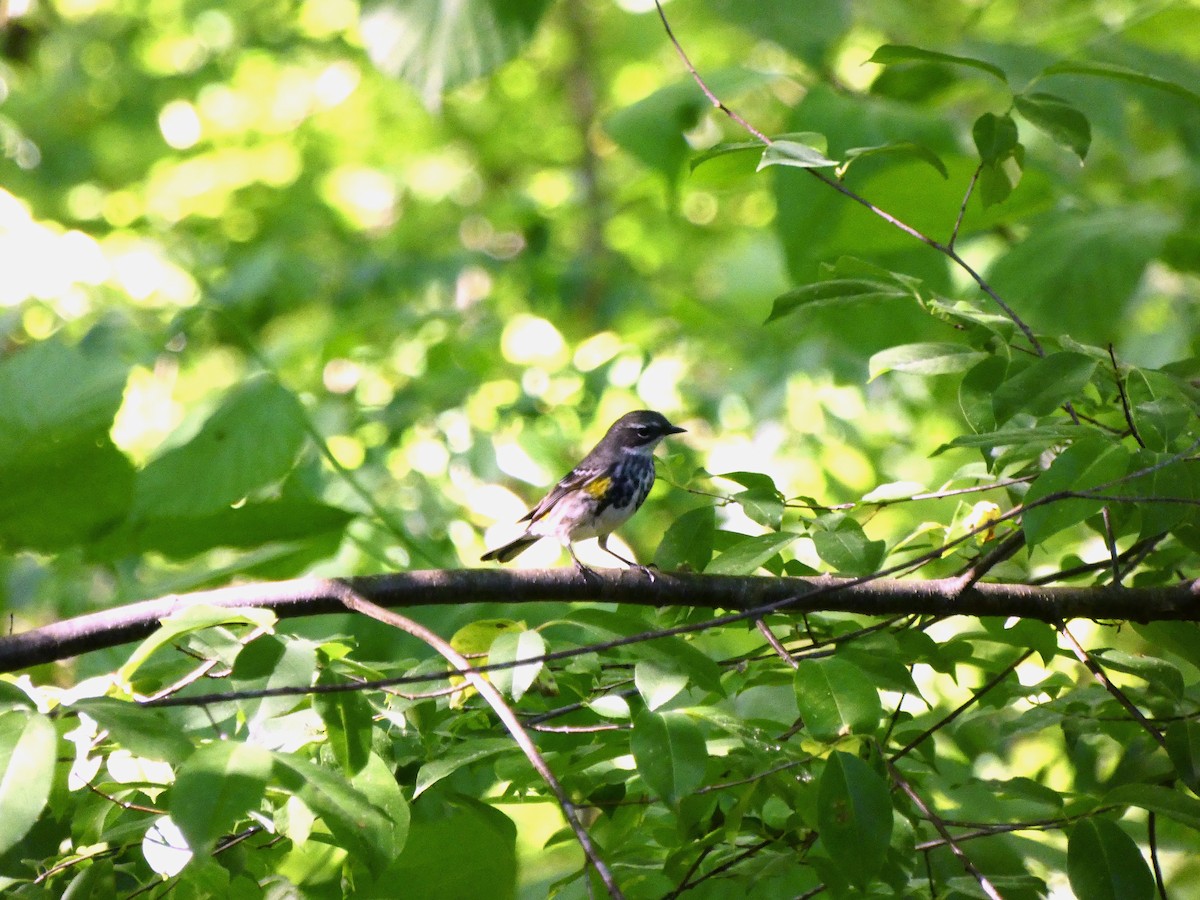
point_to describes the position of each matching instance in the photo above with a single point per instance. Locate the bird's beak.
(675, 429)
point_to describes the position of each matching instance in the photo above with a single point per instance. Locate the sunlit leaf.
(924, 359)
(835, 699)
(436, 46)
(27, 758)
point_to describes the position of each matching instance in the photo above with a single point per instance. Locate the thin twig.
(838, 186)
(962, 210)
(961, 708)
(775, 645)
(1101, 676)
(355, 602)
(1133, 429)
(984, 884)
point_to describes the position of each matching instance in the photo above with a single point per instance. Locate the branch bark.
(752, 595)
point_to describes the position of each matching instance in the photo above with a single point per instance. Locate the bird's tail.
(511, 550)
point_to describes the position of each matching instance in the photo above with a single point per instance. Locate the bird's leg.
(583, 570)
(645, 570)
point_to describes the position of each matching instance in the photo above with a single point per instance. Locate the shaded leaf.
(688, 542)
(1044, 386)
(854, 817)
(1085, 464)
(670, 754)
(360, 827)
(995, 137)
(348, 718)
(1103, 863)
(841, 542)
(890, 54)
(894, 150)
(458, 756)
(658, 681)
(1065, 124)
(1121, 73)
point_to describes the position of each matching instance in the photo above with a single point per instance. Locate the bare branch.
(753, 596)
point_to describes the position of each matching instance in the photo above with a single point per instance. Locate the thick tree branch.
(311, 596)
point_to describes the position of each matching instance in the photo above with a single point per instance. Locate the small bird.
(601, 493)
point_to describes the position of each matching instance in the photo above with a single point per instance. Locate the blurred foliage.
(292, 287)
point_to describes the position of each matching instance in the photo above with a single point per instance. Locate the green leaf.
(998, 180)
(361, 828)
(658, 681)
(247, 525)
(809, 36)
(437, 46)
(1065, 124)
(670, 754)
(1157, 799)
(995, 137)
(1121, 73)
(1073, 264)
(837, 292)
(606, 625)
(348, 717)
(28, 751)
(512, 647)
(457, 847)
(762, 505)
(854, 817)
(1085, 464)
(688, 543)
(890, 54)
(723, 150)
(1183, 747)
(1045, 435)
(1103, 863)
(794, 153)
(228, 459)
(903, 150)
(378, 783)
(215, 788)
(745, 556)
(187, 620)
(1044, 386)
(1169, 478)
(272, 662)
(1160, 675)
(457, 757)
(841, 542)
(1159, 407)
(144, 732)
(835, 699)
(924, 359)
(61, 478)
(653, 129)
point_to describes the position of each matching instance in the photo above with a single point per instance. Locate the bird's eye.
(645, 431)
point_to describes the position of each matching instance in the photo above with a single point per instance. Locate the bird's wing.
(587, 478)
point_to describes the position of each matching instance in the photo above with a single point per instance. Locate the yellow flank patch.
(597, 488)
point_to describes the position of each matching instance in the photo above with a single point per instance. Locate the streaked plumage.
(601, 493)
